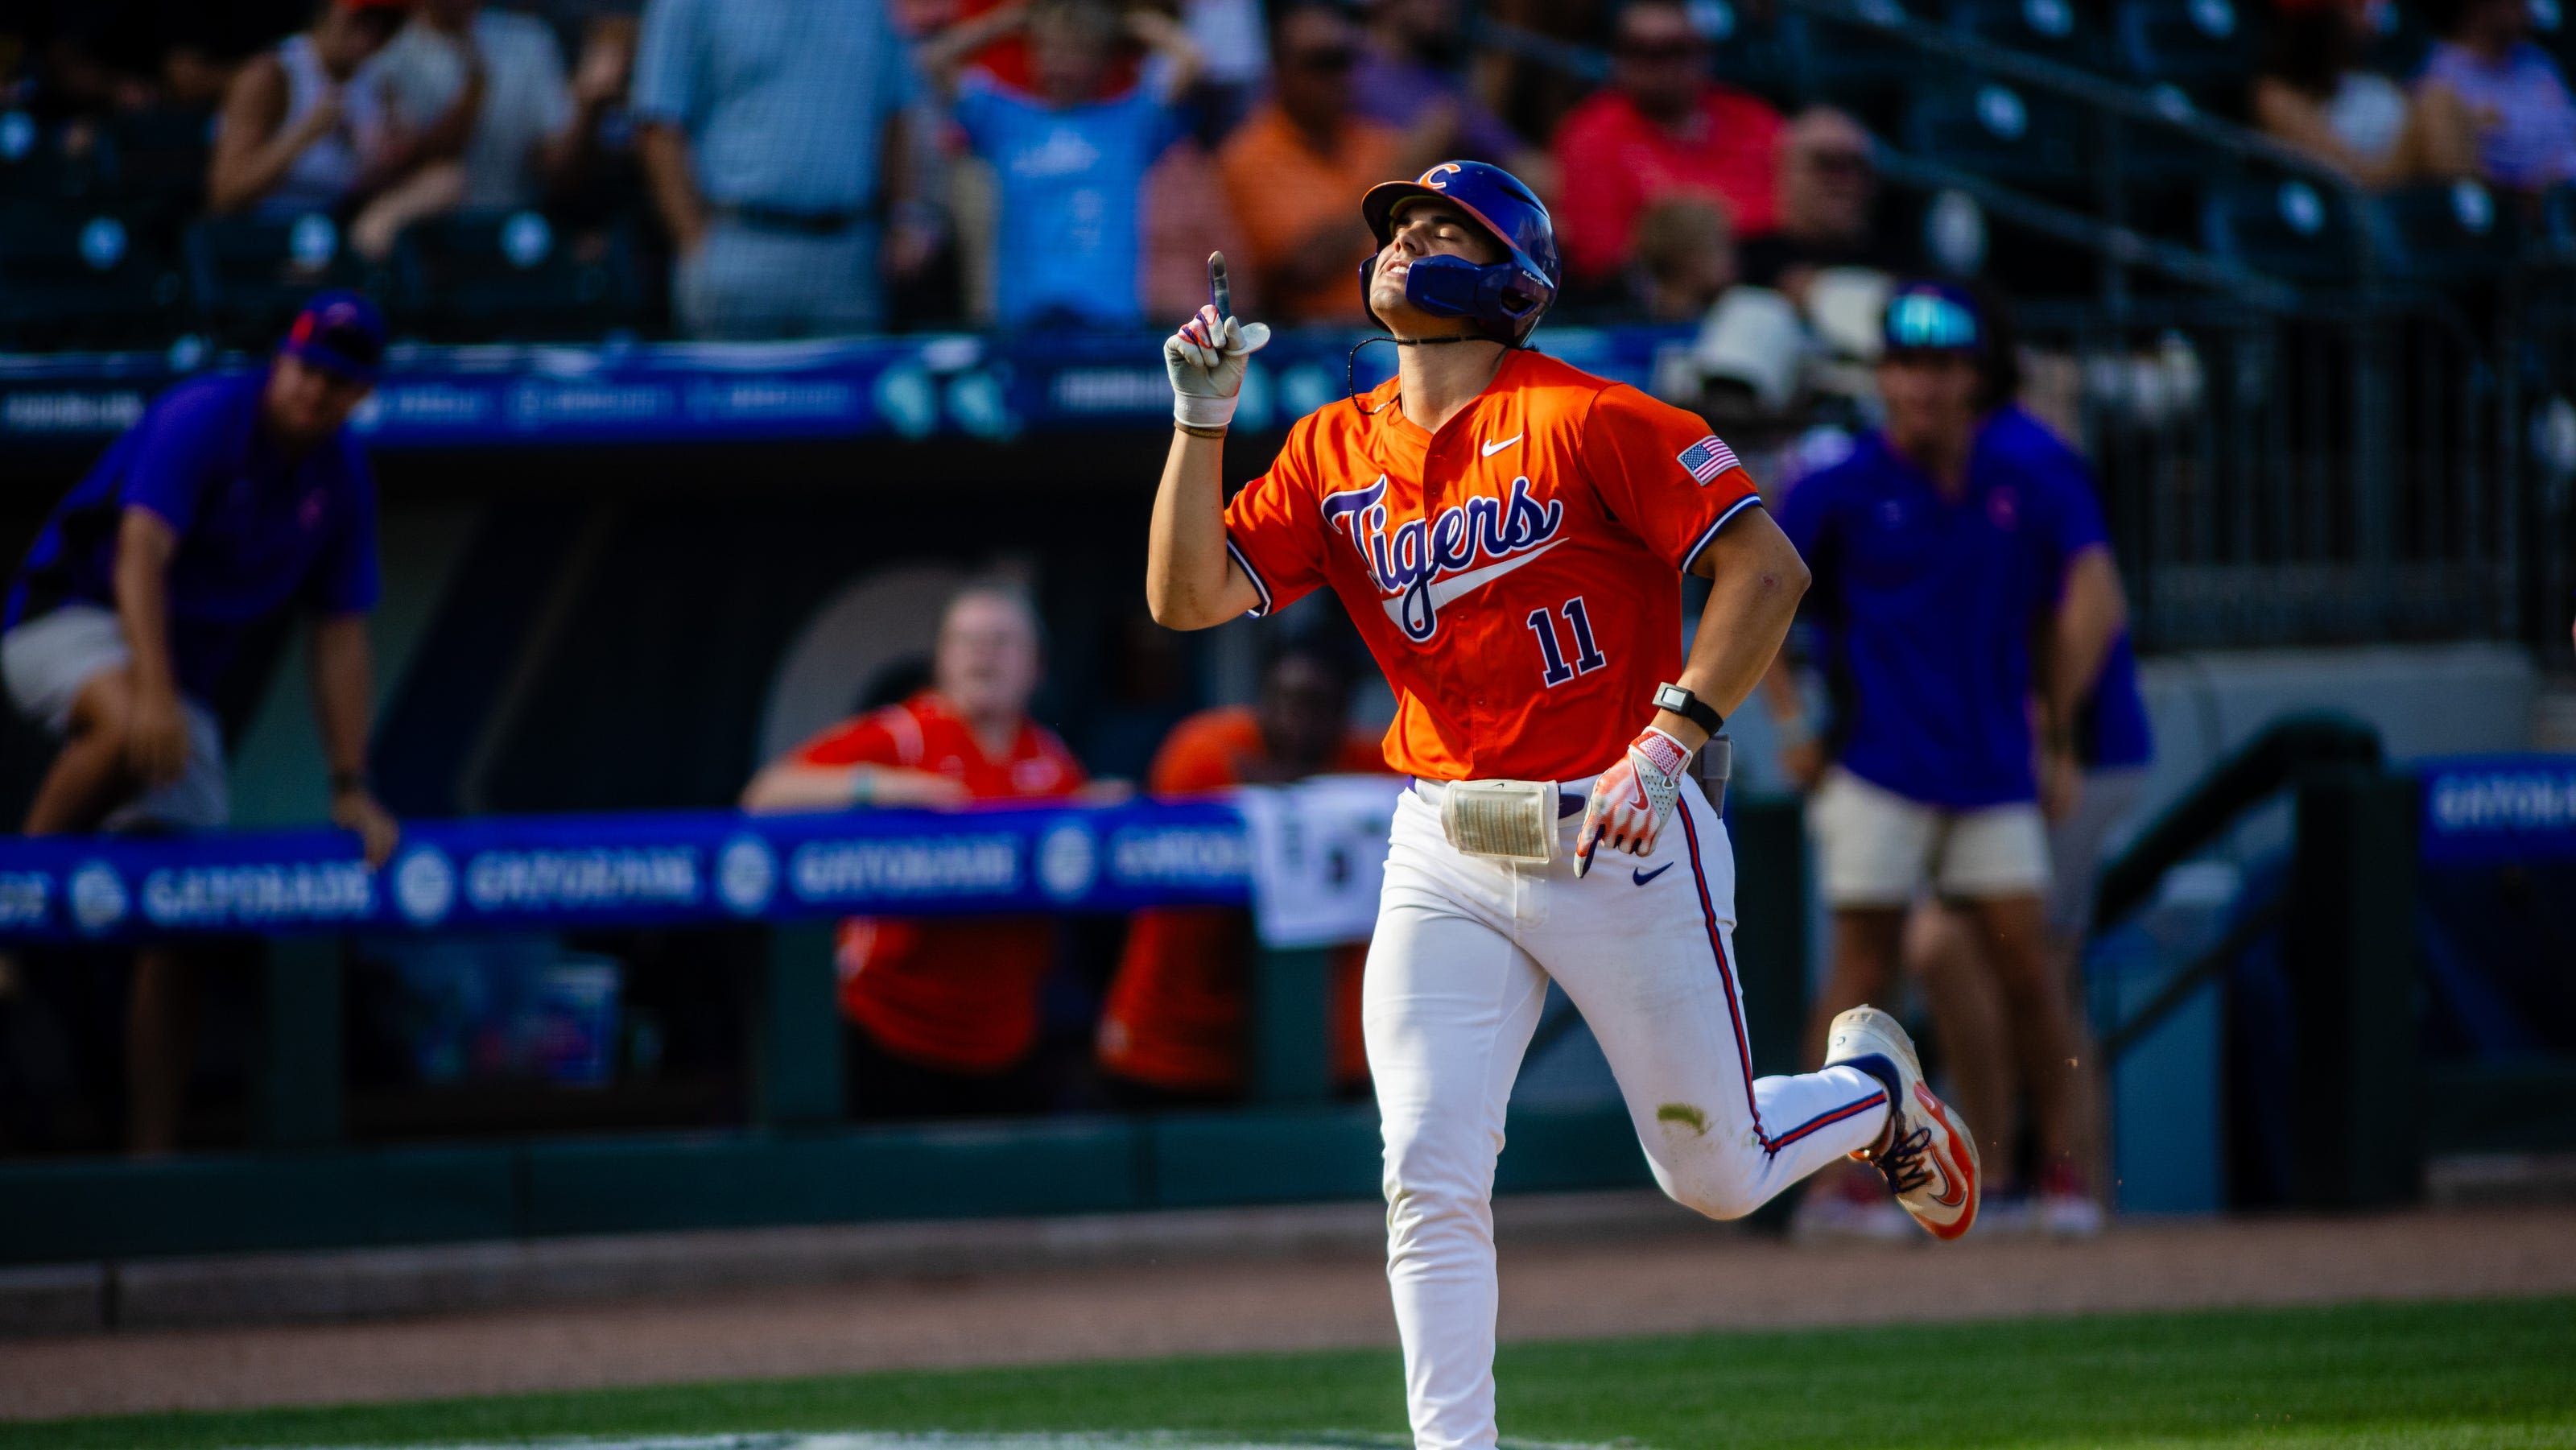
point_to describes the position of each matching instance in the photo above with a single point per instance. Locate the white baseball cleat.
(1930, 1157)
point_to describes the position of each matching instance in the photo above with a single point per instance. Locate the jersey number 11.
(1587, 655)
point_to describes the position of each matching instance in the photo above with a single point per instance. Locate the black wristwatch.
(1687, 705)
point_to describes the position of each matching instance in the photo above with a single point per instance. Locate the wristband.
(1195, 431)
(1193, 411)
(1689, 706)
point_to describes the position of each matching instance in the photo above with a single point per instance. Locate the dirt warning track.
(1691, 1277)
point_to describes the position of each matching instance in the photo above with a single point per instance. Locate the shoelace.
(1903, 1163)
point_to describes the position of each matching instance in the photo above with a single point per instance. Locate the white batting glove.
(1206, 359)
(1632, 800)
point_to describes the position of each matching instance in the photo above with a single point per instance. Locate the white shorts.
(1881, 849)
(49, 660)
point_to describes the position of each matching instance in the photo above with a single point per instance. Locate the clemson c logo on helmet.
(1435, 177)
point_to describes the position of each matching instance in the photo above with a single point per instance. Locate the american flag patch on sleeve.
(1708, 458)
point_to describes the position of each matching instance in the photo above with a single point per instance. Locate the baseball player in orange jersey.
(1509, 534)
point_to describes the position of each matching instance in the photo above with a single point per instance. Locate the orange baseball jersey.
(962, 995)
(1517, 575)
(1176, 1011)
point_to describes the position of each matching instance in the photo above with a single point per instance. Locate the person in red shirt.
(1172, 1033)
(943, 1015)
(1660, 127)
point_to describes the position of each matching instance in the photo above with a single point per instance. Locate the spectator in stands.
(2316, 94)
(1234, 47)
(2086, 794)
(607, 186)
(1293, 167)
(2510, 89)
(1828, 195)
(489, 86)
(1660, 127)
(299, 134)
(204, 46)
(238, 499)
(1942, 547)
(1684, 259)
(943, 1016)
(1407, 78)
(1173, 1031)
(774, 138)
(1069, 166)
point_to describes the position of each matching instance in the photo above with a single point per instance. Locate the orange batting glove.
(1632, 800)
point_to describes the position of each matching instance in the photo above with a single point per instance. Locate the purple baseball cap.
(341, 333)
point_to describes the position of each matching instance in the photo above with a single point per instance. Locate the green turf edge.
(2423, 1376)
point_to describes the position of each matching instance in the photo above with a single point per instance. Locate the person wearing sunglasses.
(1291, 169)
(1828, 193)
(1661, 126)
(1950, 540)
(239, 498)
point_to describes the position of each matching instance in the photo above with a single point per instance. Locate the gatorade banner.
(2491, 809)
(561, 872)
(900, 387)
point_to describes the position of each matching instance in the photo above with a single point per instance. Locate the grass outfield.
(2498, 1373)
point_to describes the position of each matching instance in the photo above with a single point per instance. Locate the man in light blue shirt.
(1069, 164)
(774, 140)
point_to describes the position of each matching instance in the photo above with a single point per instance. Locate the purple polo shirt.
(1927, 605)
(258, 533)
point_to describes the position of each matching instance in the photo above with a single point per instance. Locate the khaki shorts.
(48, 661)
(1881, 849)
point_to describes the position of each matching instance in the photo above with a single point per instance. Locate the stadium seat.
(250, 274)
(482, 276)
(2189, 43)
(40, 163)
(2004, 133)
(1750, 52)
(1849, 65)
(160, 159)
(2158, 161)
(2449, 233)
(2399, 48)
(76, 279)
(2284, 227)
(2057, 30)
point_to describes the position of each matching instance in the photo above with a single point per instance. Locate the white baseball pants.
(1457, 973)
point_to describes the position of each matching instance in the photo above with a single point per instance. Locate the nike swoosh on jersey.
(1442, 591)
(1491, 449)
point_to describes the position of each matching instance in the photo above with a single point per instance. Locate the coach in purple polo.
(236, 499)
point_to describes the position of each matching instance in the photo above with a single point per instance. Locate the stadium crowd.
(785, 168)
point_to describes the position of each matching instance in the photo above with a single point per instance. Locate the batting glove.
(1206, 359)
(1632, 800)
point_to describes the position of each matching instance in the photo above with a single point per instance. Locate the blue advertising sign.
(958, 385)
(559, 872)
(2490, 809)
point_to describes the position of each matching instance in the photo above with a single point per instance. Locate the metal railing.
(2279, 479)
(2283, 462)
